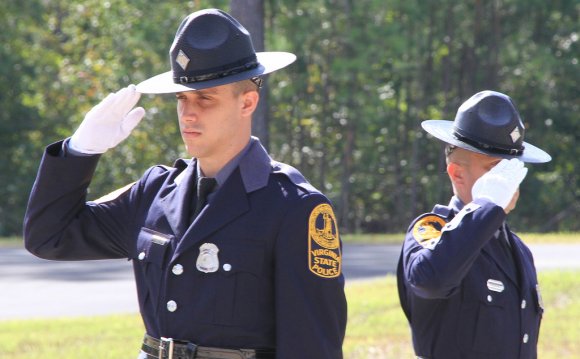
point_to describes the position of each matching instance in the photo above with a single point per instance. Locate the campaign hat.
(211, 48)
(488, 123)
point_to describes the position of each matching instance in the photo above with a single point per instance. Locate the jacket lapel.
(230, 202)
(498, 255)
(176, 205)
(521, 263)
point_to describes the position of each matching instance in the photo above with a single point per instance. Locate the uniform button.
(227, 267)
(526, 338)
(177, 269)
(489, 298)
(171, 306)
(524, 304)
(141, 256)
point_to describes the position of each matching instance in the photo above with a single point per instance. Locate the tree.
(250, 14)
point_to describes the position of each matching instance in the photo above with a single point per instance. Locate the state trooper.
(467, 284)
(235, 255)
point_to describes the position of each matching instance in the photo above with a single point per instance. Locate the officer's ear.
(249, 102)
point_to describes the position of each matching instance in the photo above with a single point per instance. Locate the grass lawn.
(397, 238)
(391, 238)
(376, 329)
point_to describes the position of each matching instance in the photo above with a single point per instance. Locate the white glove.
(501, 182)
(108, 123)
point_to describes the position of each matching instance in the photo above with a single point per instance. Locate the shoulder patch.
(115, 194)
(427, 230)
(324, 257)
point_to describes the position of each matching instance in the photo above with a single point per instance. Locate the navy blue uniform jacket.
(264, 294)
(457, 290)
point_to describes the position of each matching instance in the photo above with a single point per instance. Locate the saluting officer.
(235, 255)
(467, 284)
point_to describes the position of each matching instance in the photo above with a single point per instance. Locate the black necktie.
(204, 187)
(508, 252)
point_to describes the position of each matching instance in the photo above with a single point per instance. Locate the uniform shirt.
(275, 280)
(464, 293)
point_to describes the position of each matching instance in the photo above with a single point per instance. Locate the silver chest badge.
(207, 261)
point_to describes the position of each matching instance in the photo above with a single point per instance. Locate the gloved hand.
(501, 182)
(108, 123)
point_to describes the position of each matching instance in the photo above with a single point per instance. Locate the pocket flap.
(152, 245)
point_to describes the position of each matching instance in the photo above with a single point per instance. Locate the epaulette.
(442, 210)
(293, 175)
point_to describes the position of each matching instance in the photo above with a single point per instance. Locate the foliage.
(371, 71)
(347, 113)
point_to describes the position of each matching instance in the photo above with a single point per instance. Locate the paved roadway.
(33, 288)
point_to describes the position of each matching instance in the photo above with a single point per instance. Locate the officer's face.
(478, 166)
(467, 168)
(215, 123)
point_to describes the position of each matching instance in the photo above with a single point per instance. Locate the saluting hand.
(109, 122)
(500, 184)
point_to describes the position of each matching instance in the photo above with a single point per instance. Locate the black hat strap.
(486, 147)
(252, 64)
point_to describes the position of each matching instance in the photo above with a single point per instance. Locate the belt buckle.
(166, 345)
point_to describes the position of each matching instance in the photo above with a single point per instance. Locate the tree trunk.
(250, 13)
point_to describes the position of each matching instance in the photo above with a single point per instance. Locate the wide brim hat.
(210, 49)
(488, 123)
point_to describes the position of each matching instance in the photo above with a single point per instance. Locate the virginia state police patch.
(324, 258)
(427, 230)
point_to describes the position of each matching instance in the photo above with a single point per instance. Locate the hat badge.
(182, 59)
(515, 134)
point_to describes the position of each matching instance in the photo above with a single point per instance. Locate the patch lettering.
(427, 230)
(324, 257)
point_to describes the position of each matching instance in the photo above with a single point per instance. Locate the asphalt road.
(36, 288)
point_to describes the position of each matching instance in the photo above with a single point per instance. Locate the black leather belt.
(179, 349)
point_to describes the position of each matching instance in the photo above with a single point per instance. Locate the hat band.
(216, 75)
(486, 147)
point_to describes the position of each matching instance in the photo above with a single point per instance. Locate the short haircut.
(244, 86)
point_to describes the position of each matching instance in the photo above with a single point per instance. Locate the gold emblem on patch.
(324, 257)
(427, 230)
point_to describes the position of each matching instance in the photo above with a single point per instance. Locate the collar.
(254, 163)
(456, 204)
(223, 174)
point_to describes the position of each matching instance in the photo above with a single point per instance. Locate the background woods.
(347, 113)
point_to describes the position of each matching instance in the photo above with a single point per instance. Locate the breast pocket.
(484, 313)
(241, 284)
(151, 252)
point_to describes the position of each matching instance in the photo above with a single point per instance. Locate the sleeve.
(59, 224)
(438, 255)
(311, 306)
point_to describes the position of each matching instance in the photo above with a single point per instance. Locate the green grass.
(107, 337)
(11, 242)
(391, 238)
(397, 238)
(376, 328)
